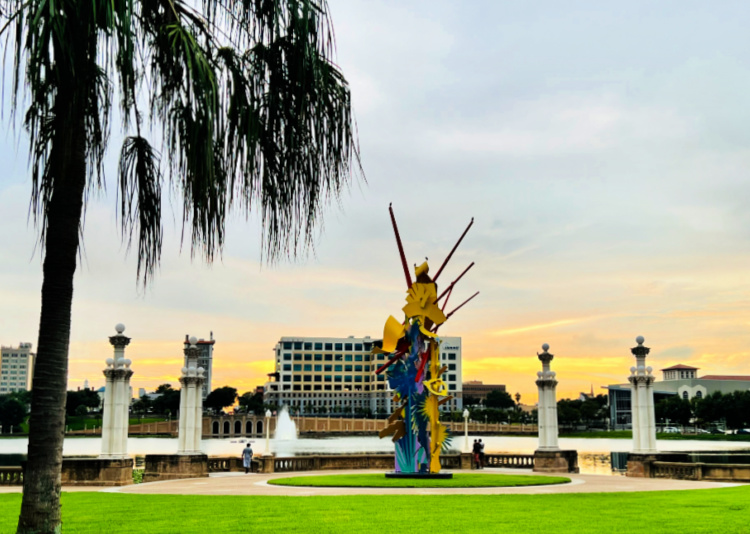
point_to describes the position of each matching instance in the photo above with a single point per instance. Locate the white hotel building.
(16, 368)
(326, 375)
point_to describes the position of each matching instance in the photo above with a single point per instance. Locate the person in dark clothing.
(475, 453)
(481, 454)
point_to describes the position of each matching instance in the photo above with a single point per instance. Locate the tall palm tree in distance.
(251, 113)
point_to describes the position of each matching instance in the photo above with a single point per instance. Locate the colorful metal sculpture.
(413, 369)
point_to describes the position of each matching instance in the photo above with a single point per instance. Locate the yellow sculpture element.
(420, 303)
(438, 389)
(392, 332)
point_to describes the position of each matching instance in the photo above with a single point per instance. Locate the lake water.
(593, 454)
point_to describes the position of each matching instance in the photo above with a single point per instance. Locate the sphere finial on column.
(193, 340)
(545, 347)
(120, 328)
(640, 340)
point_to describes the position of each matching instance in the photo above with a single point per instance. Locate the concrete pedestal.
(639, 465)
(548, 461)
(175, 466)
(97, 471)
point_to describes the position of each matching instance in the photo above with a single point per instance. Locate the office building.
(478, 390)
(16, 368)
(679, 380)
(325, 375)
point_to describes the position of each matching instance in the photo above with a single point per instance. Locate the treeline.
(731, 409)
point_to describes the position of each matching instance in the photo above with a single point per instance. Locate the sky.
(602, 149)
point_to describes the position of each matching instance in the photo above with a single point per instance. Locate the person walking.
(481, 454)
(475, 454)
(247, 458)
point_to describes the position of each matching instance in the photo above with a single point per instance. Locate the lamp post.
(466, 429)
(268, 432)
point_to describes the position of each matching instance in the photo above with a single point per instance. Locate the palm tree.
(252, 114)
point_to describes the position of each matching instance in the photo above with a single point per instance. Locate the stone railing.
(285, 465)
(11, 476)
(676, 470)
(349, 461)
(520, 461)
(226, 464)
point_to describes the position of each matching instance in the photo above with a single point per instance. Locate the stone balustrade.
(11, 476)
(520, 461)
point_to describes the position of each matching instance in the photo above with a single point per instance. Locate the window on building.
(339, 358)
(451, 366)
(329, 357)
(358, 358)
(297, 345)
(308, 357)
(358, 346)
(297, 366)
(327, 378)
(699, 394)
(318, 378)
(298, 357)
(308, 367)
(287, 345)
(337, 368)
(308, 378)
(298, 378)
(287, 357)
(339, 346)
(348, 368)
(318, 357)
(358, 368)
(308, 346)
(451, 387)
(337, 378)
(685, 395)
(328, 368)
(452, 378)
(287, 367)
(358, 378)
(286, 378)
(347, 346)
(329, 346)
(348, 358)
(319, 346)
(451, 356)
(318, 368)
(347, 378)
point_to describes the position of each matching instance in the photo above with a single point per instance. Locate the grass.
(459, 480)
(724, 511)
(76, 422)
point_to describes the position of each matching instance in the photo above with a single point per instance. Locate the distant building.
(321, 375)
(679, 380)
(205, 360)
(479, 390)
(16, 368)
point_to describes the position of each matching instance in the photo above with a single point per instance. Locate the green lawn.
(459, 480)
(724, 511)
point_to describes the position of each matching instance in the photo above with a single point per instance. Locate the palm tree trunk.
(40, 508)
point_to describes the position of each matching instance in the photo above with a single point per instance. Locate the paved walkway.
(256, 484)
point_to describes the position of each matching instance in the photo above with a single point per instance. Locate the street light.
(466, 429)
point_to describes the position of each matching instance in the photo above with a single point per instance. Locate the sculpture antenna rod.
(461, 305)
(452, 251)
(452, 284)
(400, 247)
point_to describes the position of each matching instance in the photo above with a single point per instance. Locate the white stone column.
(107, 419)
(116, 401)
(642, 401)
(547, 409)
(191, 402)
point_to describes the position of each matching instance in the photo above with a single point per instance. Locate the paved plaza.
(257, 484)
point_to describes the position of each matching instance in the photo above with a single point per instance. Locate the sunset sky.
(603, 149)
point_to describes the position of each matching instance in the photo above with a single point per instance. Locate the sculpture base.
(555, 461)
(423, 476)
(175, 466)
(97, 471)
